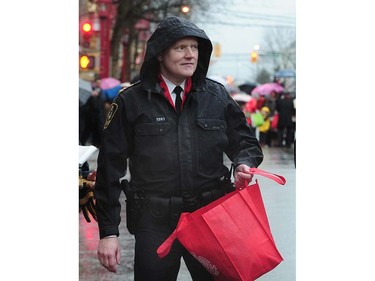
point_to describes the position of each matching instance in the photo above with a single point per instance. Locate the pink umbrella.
(109, 83)
(266, 89)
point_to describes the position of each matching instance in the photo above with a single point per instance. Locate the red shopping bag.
(231, 237)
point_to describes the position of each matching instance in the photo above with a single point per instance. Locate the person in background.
(246, 102)
(286, 125)
(264, 129)
(270, 102)
(92, 116)
(173, 126)
(260, 101)
(250, 108)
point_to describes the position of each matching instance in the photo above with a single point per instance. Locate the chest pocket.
(212, 124)
(211, 141)
(152, 141)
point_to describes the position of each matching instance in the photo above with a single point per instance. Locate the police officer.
(173, 126)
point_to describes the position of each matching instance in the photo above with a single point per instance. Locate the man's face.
(179, 61)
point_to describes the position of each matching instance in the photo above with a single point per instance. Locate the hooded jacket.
(170, 154)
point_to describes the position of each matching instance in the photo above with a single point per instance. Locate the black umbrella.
(247, 87)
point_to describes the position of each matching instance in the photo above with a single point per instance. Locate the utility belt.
(167, 209)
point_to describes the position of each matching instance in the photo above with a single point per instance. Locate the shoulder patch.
(110, 114)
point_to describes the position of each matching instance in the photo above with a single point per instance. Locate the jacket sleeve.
(112, 165)
(243, 147)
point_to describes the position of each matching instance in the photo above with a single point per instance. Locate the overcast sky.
(238, 27)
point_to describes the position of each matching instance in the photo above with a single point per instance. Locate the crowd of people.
(91, 117)
(272, 117)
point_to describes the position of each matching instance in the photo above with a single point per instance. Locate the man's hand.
(109, 253)
(242, 176)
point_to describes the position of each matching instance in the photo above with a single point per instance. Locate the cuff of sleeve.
(109, 232)
(110, 236)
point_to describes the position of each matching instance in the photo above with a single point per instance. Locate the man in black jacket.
(173, 127)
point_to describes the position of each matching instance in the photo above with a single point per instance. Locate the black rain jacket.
(170, 155)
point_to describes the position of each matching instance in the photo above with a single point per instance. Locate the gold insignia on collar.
(110, 114)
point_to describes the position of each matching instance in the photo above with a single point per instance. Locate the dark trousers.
(150, 234)
(264, 138)
(285, 133)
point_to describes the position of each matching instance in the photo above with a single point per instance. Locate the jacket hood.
(167, 32)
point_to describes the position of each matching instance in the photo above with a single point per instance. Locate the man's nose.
(189, 52)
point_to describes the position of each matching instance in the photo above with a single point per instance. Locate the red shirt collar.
(167, 94)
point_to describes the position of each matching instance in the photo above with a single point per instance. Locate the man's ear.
(159, 57)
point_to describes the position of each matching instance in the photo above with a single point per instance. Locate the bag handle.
(165, 248)
(277, 178)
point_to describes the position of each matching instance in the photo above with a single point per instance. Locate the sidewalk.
(279, 202)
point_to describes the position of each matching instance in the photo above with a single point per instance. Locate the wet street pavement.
(280, 206)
